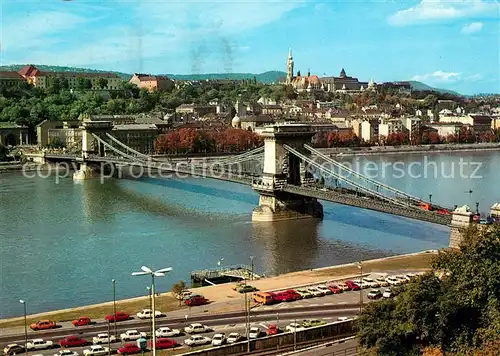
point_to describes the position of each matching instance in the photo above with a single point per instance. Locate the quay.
(224, 274)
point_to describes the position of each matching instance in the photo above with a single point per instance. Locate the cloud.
(474, 77)
(472, 28)
(442, 10)
(438, 76)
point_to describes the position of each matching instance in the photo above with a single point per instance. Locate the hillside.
(47, 68)
(421, 86)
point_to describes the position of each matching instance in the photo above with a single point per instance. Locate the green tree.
(177, 290)
(80, 83)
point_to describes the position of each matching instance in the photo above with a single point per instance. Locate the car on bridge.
(164, 343)
(120, 316)
(273, 329)
(132, 335)
(39, 344)
(103, 338)
(254, 332)
(148, 314)
(218, 339)
(96, 350)
(234, 337)
(66, 352)
(73, 341)
(294, 327)
(313, 322)
(196, 340)
(129, 349)
(13, 349)
(165, 331)
(81, 321)
(43, 325)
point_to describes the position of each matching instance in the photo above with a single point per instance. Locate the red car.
(120, 316)
(335, 289)
(164, 343)
(286, 296)
(352, 285)
(73, 341)
(196, 300)
(43, 325)
(82, 321)
(272, 329)
(129, 349)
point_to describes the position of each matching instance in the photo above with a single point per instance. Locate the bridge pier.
(462, 218)
(281, 168)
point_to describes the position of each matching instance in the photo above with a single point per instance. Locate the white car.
(294, 327)
(393, 281)
(382, 282)
(254, 332)
(148, 314)
(387, 294)
(96, 350)
(410, 276)
(343, 318)
(315, 291)
(196, 340)
(324, 289)
(402, 279)
(39, 344)
(66, 353)
(185, 294)
(196, 328)
(371, 282)
(132, 335)
(233, 337)
(103, 338)
(362, 284)
(165, 331)
(218, 339)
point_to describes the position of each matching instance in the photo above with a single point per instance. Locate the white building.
(391, 126)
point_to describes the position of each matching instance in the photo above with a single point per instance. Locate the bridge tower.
(280, 168)
(90, 145)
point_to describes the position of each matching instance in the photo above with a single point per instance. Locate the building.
(366, 129)
(152, 82)
(9, 79)
(479, 122)
(251, 122)
(446, 129)
(74, 80)
(274, 110)
(195, 109)
(13, 134)
(62, 131)
(412, 125)
(389, 127)
(139, 137)
(345, 83)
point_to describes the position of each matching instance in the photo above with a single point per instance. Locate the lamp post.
(25, 326)
(113, 282)
(247, 322)
(109, 339)
(150, 305)
(158, 273)
(251, 259)
(430, 198)
(360, 266)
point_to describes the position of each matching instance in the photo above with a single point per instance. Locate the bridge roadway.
(322, 194)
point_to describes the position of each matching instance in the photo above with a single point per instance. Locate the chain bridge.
(286, 174)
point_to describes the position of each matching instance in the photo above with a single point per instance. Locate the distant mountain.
(421, 86)
(47, 68)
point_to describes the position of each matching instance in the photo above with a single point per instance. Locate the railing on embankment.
(336, 330)
(372, 204)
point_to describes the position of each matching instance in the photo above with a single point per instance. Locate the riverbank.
(224, 299)
(396, 150)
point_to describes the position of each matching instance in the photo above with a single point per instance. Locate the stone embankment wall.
(335, 330)
(367, 203)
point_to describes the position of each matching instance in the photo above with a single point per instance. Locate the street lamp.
(360, 266)
(113, 282)
(25, 327)
(219, 262)
(158, 273)
(150, 304)
(251, 259)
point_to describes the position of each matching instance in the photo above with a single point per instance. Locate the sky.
(451, 44)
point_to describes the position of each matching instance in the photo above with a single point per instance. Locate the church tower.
(289, 68)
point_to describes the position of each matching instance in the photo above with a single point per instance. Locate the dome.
(236, 122)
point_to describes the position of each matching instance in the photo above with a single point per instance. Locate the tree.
(459, 312)
(177, 290)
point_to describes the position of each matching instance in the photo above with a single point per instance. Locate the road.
(347, 348)
(222, 325)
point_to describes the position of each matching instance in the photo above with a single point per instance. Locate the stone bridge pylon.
(281, 168)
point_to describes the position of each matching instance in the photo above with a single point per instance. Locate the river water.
(62, 244)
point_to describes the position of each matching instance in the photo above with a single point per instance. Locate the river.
(62, 244)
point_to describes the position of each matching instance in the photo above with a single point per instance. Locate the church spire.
(289, 67)
(290, 53)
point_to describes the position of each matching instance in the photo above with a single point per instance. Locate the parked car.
(254, 332)
(120, 316)
(374, 294)
(66, 352)
(315, 291)
(362, 284)
(96, 350)
(324, 289)
(263, 298)
(233, 337)
(81, 321)
(247, 289)
(164, 343)
(129, 349)
(285, 296)
(371, 282)
(382, 281)
(148, 314)
(402, 279)
(294, 327)
(12, 349)
(344, 286)
(273, 329)
(410, 276)
(103, 338)
(73, 341)
(335, 289)
(196, 300)
(39, 344)
(132, 335)
(393, 281)
(313, 322)
(43, 325)
(183, 295)
(165, 331)
(196, 340)
(352, 285)
(388, 294)
(304, 293)
(218, 339)
(196, 328)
